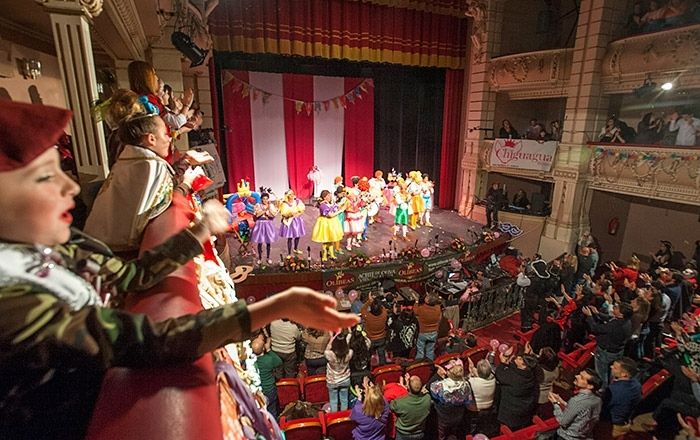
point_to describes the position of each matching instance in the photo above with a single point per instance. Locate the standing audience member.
(361, 359)
(266, 363)
(687, 127)
(374, 315)
(494, 200)
(622, 396)
(370, 412)
(314, 351)
(516, 376)
(411, 411)
(507, 131)
(483, 384)
(533, 130)
(578, 417)
(428, 314)
(403, 332)
(611, 336)
(453, 399)
(284, 335)
(338, 354)
(549, 369)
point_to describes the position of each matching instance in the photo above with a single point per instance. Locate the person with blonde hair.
(292, 228)
(370, 412)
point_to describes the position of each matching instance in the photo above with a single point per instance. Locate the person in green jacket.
(411, 410)
(57, 336)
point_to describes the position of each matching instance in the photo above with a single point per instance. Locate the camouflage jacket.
(53, 357)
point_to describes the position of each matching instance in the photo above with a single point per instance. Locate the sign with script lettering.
(523, 154)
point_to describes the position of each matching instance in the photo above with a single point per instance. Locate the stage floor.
(447, 225)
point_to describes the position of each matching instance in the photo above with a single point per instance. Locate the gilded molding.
(476, 10)
(92, 8)
(660, 56)
(532, 74)
(124, 16)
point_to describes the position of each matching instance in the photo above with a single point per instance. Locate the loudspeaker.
(537, 203)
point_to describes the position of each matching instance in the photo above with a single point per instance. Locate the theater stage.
(447, 225)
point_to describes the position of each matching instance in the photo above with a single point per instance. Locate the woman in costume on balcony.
(58, 337)
(264, 231)
(292, 227)
(327, 230)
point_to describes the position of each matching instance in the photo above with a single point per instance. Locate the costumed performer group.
(345, 214)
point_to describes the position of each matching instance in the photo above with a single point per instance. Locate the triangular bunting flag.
(308, 107)
(246, 90)
(326, 105)
(317, 106)
(350, 97)
(298, 106)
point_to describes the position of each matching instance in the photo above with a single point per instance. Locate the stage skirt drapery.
(279, 125)
(407, 32)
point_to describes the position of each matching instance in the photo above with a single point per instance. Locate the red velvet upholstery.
(475, 354)
(315, 389)
(579, 358)
(338, 425)
(288, 390)
(443, 359)
(654, 382)
(176, 402)
(390, 373)
(302, 429)
(422, 369)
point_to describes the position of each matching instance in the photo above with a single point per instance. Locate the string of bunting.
(246, 89)
(644, 156)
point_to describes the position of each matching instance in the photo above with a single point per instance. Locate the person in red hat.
(57, 338)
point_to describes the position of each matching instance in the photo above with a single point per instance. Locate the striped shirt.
(579, 416)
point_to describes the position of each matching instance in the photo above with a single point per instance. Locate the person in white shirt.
(284, 335)
(483, 383)
(687, 127)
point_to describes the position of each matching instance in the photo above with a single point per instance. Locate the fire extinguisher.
(613, 225)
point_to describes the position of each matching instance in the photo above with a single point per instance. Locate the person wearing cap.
(453, 399)
(663, 256)
(57, 337)
(535, 288)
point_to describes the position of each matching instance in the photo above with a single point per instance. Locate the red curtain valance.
(456, 8)
(341, 29)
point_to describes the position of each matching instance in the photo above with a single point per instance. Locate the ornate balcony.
(669, 55)
(542, 74)
(652, 171)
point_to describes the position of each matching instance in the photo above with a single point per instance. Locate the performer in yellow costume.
(327, 229)
(417, 202)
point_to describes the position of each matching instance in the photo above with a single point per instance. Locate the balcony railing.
(653, 171)
(668, 55)
(532, 75)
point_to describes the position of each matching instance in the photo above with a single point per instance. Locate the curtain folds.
(452, 110)
(359, 134)
(341, 29)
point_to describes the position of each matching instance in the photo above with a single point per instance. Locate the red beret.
(27, 130)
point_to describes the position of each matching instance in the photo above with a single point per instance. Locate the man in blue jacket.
(622, 396)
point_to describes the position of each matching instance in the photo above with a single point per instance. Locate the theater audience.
(428, 314)
(403, 332)
(338, 354)
(370, 412)
(578, 416)
(315, 342)
(516, 376)
(687, 127)
(411, 410)
(548, 372)
(375, 316)
(266, 363)
(507, 131)
(361, 358)
(453, 399)
(611, 336)
(284, 335)
(622, 396)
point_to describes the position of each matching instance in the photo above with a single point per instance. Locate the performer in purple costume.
(292, 227)
(264, 229)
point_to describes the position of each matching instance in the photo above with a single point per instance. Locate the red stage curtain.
(239, 135)
(449, 160)
(359, 134)
(339, 29)
(299, 133)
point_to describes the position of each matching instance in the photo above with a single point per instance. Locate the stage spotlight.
(184, 44)
(667, 86)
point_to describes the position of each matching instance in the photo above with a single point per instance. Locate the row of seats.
(313, 388)
(337, 425)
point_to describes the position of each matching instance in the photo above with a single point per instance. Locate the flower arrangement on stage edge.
(358, 260)
(458, 245)
(294, 263)
(408, 254)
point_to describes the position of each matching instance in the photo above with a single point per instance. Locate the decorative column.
(70, 21)
(480, 101)
(586, 112)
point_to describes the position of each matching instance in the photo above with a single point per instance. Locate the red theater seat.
(288, 391)
(302, 429)
(315, 389)
(390, 373)
(422, 369)
(475, 354)
(650, 385)
(338, 425)
(443, 359)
